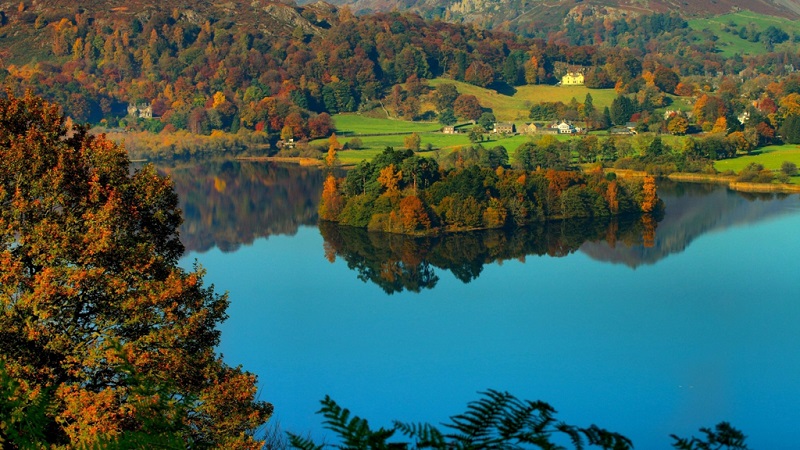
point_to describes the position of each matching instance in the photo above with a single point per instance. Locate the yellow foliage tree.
(332, 158)
(791, 104)
(720, 125)
(649, 78)
(219, 99)
(649, 199)
(334, 142)
(390, 179)
(678, 125)
(612, 193)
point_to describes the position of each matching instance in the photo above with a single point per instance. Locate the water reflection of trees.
(399, 262)
(229, 203)
(692, 210)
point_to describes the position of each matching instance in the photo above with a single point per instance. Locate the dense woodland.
(401, 192)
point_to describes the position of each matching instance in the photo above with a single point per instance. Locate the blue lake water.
(646, 341)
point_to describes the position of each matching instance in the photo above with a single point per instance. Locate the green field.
(770, 157)
(441, 142)
(730, 44)
(516, 108)
(347, 124)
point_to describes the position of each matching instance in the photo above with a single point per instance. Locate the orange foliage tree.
(413, 215)
(650, 199)
(331, 203)
(99, 324)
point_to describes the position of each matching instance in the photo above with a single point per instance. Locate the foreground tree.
(97, 321)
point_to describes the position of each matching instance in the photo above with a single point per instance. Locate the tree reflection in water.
(398, 262)
(229, 203)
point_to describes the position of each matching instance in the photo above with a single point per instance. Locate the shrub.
(789, 168)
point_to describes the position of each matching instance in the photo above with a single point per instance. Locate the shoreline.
(729, 181)
(303, 161)
(738, 186)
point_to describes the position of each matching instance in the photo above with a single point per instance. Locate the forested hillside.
(282, 70)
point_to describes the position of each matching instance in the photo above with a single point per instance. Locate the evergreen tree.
(622, 109)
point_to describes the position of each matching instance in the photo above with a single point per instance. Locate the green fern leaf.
(302, 443)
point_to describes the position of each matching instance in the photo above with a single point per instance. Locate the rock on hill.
(504, 14)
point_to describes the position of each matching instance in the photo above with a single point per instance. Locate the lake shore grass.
(771, 157)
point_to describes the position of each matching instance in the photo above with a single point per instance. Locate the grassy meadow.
(515, 108)
(731, 44)
(770, 157)
(373, 145)
(349, 124)
(511, 108)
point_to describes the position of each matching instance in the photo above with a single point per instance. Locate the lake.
(644, 330)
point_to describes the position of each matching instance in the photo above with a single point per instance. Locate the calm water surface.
(698, 326)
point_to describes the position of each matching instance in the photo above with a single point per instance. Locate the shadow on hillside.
(503, 88)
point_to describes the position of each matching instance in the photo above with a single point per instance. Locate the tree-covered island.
(402, 192)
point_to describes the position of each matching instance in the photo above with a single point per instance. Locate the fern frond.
(606, 439)
(479, 425)
(425, 434)
(525, 420)
(302, 443)
(354, 432)
(574, 434)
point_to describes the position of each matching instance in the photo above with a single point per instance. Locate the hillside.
(276, 73)
(24, 24)
(541, 15)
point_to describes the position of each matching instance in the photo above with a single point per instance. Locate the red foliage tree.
(320, 125)
(467, 106)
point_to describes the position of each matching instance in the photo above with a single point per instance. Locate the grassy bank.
(770, 157)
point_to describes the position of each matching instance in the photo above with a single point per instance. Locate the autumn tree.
(332, 158)
(412, 142)
(389, 179)
(678, 125)
(666, 79)
(320, 125)
(99, 322)
(650, 198)
(331, 203)
(413, 215)
(479, 74)
(444, 96)
(720, 125)
(467, 106)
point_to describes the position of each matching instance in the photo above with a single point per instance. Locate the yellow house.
(572, 79)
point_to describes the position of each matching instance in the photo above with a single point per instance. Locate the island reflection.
(227, 204)
(398, 262)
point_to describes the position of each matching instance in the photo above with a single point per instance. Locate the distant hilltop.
(268, 17)
(549, 15)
